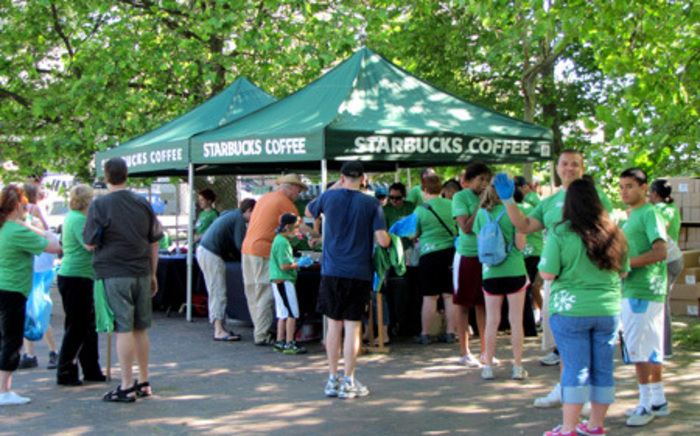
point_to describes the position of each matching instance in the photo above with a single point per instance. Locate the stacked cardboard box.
(686, 195)
(686, 292)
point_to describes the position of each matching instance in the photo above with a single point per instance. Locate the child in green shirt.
(283, 275)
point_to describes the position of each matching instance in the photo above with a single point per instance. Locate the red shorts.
(467, 281)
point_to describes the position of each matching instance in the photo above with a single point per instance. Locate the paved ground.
(207, 387)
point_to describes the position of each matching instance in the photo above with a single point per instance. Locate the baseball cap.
(352, 169)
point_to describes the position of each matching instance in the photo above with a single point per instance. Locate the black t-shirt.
(123, 226)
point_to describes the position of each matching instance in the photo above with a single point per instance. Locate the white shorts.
(643, 325)
(286, 304)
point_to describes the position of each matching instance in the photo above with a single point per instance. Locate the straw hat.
(292, 179)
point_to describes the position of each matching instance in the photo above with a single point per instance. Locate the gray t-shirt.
(123, 226)
(225, 236)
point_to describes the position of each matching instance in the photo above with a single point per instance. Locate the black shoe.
(69, 382)
(53, 360)
(28, 362)
(98, 378)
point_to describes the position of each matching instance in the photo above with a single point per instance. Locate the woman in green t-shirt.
(585, 255)
(508, 279)
(208, 215)
(19, 243)
(436, 231)
(75, 284)
(660, 197)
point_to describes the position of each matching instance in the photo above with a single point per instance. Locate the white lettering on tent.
(241, 147)
(286, 145)
(167, 155)
(136, 159)
(380, 144)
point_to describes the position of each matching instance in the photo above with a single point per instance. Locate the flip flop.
(231, 337)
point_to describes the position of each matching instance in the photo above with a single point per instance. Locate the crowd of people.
(480, 241)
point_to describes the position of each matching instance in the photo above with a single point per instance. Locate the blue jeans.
(586, 345)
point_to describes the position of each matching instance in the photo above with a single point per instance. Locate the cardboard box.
(683, 184)
(684, 307)
(690, 276)
(692, 200)
(685, 292)
(691, 258)
(694, 214)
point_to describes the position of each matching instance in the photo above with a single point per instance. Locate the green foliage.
(618, 80)
(688, 334)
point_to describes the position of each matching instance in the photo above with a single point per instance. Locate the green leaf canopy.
(165, 150)
(371, 110)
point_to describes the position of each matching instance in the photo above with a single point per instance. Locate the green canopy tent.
(165, 150)
(371, 110)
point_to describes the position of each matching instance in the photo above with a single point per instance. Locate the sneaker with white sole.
(661, 410)
(519, 373)
(494, 361)
(584, 429)
(352, 390)
(550, 359)
(552, 399)
(640, 417)
(487, 373)
(556, 431)
(332, 386)
(12, 399)
(470, 361)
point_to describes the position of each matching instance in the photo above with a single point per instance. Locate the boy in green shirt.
(643, 295)
(283, 274)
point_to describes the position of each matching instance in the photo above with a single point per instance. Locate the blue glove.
(305, 261)
(504, 187)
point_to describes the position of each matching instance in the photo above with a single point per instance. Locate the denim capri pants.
(586, 345)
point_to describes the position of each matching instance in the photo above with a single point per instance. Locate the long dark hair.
(10, 197)
(663, 189)
(605, 243)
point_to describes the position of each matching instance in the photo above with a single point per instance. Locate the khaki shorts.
(130, 300)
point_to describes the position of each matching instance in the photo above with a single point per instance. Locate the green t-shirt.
(514, 265)
(18, 246)
(581, 288)
(280, 254)
(533, 248)
(393, 214)
(549, 211)
(466, 202)
(672, 217)
(642, 228)
(532, 199)
(77, 261)
(205, 219)
(433, 236)
(415, 195)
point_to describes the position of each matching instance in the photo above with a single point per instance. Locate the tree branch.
(5, 94)
(59, 30)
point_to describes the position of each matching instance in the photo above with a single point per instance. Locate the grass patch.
(686, 332)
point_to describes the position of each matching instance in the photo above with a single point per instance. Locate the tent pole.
(408, 179)
(324, 174)
(190, 238)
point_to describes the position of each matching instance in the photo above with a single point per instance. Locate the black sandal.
(139, 388)
(120, 395)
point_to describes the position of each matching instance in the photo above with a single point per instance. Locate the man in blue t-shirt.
(352, 220)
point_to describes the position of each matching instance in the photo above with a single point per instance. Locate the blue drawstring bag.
(405, 227)
(39, 306)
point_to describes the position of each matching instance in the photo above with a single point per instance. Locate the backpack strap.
(427, 206)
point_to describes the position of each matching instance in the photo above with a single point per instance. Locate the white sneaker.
(332, 386)
(662, 410)
(494, 361)
(550, 359)
(519, 373)
(640, 417)
(586, 409)
(487, 373)
(470, 361)
(349, 391)
(552, 399)
(12, 399)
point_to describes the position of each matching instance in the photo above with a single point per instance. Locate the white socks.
(657, 393)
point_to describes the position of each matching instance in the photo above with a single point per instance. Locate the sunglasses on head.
(395, 197)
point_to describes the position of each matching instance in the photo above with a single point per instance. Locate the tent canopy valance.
(165, 150)
(371, 110)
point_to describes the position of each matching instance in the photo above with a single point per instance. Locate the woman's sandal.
(120, 395)
(142, 390)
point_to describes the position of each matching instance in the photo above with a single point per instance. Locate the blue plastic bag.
(39, 306)
(405, 227)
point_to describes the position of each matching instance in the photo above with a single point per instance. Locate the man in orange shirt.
(256, 252)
